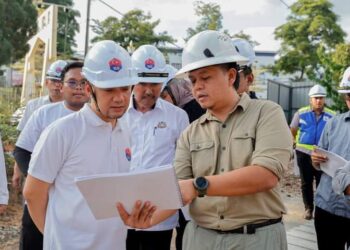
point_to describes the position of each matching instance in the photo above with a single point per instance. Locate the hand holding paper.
(331, 163)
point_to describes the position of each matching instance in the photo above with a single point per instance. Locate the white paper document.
(157, 185)
(334, 162)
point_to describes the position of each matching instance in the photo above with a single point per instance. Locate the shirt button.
(222, 217)
(222, 170)
(198, 147)
(223, 148)
(224, 125)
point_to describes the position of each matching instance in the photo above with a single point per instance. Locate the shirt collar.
(158, 104)
(242, 104)
(347, 116)
(94, 119)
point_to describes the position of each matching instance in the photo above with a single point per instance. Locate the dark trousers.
(148, 240)
(332, 231)
(31, 238)
(307, 174)
(180, 230)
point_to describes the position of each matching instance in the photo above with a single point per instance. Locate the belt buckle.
(248, 229)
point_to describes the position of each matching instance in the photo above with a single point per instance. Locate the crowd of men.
(117, 113)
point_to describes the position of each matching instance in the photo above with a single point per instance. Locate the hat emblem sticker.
(149, 63)
(115, 64)
(58, 70)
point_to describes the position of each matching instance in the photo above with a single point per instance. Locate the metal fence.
(291, 96)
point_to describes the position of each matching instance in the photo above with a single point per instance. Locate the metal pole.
(87, 26)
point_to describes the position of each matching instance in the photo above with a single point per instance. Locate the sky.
(257, 18)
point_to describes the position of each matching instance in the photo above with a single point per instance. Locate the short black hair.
(69, 66)
(228, 66)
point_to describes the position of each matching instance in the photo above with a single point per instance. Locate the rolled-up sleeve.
(273, 145)
(183, 161)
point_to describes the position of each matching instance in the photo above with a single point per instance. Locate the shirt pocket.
(242, 147)
(203, 158)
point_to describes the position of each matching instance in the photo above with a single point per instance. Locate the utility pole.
(87, 26)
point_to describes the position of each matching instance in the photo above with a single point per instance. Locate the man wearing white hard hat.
(90, 141)
(306, 127)
(230, 160)
(53, 84)
(332, 212)
(155, 126)
(246, 76)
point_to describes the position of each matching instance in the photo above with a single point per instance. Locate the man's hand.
(347, 190)
(140, 217)
(16, 177)
(188, 191)
(2, 208)
(317, 159)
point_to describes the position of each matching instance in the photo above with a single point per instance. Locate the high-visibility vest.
(310, 129)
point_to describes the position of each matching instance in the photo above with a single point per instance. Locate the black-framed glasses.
(73, 84)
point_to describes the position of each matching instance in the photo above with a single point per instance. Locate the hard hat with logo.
(149, 64)
(208, 48)
(108, 65)
(55, 70)
(317, 91)
(245, 49)
(344, 86)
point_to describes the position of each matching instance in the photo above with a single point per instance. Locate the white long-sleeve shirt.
(153, 140)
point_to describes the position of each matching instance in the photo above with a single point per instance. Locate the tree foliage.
(246, 37)
(135, 26)
(310, 25)
(17, 25)
(210, 18)
(333, 67)
(67, 28)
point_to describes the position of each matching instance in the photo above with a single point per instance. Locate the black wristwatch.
(201, 185)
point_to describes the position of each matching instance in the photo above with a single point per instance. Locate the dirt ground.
(11, 220)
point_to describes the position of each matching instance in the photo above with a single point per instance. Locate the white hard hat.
(208, 48)
(344, 86)
(149, 64)
(245, 49)
(108, 65)
(317, 91)
(55, 70)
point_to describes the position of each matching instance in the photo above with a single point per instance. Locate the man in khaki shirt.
(229, 161)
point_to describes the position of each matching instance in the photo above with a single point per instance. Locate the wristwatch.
(201, 185)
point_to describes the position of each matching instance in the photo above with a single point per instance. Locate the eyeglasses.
(73, 84)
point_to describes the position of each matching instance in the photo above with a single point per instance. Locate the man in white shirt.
(90, 141)
(4, 193)
(75, 96)
(155, 126)
(53, 84)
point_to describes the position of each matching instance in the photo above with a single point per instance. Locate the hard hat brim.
(210, 62)
(53, 78)
(152, 79)
(318, 95)
(344, 91)
(111, 83)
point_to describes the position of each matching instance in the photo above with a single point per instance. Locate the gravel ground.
(10, 221)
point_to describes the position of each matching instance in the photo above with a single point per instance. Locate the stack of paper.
(333, 163)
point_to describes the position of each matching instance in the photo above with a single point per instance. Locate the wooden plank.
(305, 244)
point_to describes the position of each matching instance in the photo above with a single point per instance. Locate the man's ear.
(232, 76)
(250, 79)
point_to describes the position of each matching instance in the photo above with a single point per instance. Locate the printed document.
(334, 162)
(157, 185)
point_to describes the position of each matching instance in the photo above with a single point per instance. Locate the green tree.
(17, 25)
(67, 27)
(333, 67)
(310, 25)
(246, 37)
(210, 18)
(135, 26)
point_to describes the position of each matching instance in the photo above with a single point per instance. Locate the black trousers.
(31, 238)
(180, 230)
(148, 240)
(332, 231)
(307, 174)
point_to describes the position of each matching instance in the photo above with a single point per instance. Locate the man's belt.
(250, 228)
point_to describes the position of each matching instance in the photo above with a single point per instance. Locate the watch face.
(201, 182)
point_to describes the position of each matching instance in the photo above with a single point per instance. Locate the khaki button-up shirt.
(255, 133)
